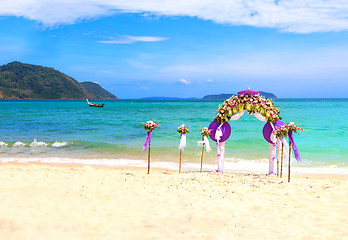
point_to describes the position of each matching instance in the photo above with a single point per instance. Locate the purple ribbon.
(297, 154)
(147, 141)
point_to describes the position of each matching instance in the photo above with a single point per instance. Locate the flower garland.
(283, 130)
(182, 129)
(150, 125)
(249, 102)
(205, 131)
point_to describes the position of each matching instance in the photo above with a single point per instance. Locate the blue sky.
(186, 48)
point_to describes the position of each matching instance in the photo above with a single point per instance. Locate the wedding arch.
(253, 103)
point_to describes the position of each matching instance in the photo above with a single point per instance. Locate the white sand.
(72, 202)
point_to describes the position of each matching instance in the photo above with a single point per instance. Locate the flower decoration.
(294, 128)
(251, 103)
(283, 130)
(182, 129)
(205, 131)
(150, 125)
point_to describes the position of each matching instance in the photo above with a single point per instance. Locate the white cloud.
(147, 38)
(133, 39)
(302, 16)
(184, 81)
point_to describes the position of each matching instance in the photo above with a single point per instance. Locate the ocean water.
(69, 131)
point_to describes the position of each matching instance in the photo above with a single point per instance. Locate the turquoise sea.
(114, 135)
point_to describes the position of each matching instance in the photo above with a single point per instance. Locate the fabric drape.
(221, 156)
(206, 142)
(182, 144)
(147, 141)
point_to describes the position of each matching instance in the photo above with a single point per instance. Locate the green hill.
(26, 81)
(97, 91)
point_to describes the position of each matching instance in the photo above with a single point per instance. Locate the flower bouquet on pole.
(149, 126)
(205, 133)
(281, 132)
(284, 131)
(183, 131)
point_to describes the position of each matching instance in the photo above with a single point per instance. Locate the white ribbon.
(206, 142)
(218, 133)
(220, 149)
(236, 116)
(286, 147)
(182, 142)
(279, 145)
(272, 156)
(273, 137)
(260, 117)
(221, 156)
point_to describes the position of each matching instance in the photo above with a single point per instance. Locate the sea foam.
(18, 144)
(59, 144)
(35, 143)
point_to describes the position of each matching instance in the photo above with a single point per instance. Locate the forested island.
(27, 81)
(225, 96)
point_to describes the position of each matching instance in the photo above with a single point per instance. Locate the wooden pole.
(202, 155)
(281, 162)
(180, 161)
(289, 160)
(148, 158)
(278, 159)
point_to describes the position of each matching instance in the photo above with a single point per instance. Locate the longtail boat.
(94, 105)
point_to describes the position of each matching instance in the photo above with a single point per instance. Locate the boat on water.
(94, 105)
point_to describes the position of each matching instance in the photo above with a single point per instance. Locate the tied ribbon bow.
(206, 142)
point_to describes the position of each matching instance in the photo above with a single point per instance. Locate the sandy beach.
(43, 201)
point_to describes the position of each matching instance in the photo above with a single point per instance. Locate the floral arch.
(250, 101)
(233, 108)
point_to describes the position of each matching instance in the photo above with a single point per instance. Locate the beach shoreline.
(188, 165)
(57, 201)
